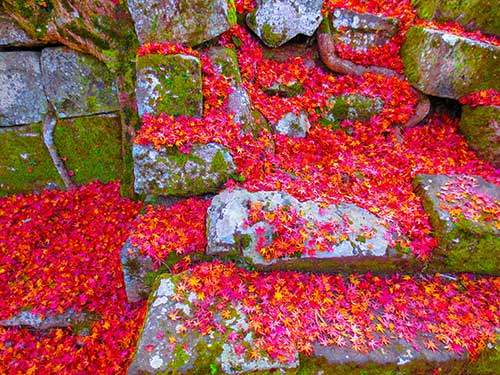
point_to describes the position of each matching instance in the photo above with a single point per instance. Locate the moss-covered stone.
(481, 128)
(450, 66)
(77, 84)
(285, 90)
(171, 172)
(25, 163)
(185, 21)
(90, 147)
(472, 14)
(349, 107)
(226, 61)
(169, 84)
(464, 244)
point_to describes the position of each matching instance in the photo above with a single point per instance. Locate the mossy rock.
(190, 22)
(472, 14)
(450, 66)
(468, 241)
(170, 172)
(77, 84)
(353, 107)
(481, 128)
(25, 162)
(284, 90)
(169, 84)
(90, 147)
(226, 62)
(163, 348)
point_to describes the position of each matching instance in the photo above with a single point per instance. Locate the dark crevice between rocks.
(28, 48)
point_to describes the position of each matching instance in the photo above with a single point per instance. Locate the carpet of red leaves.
(60, 250)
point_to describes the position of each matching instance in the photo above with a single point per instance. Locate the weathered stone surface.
(337, 231)
(136, 266)
(181, 21)
(353, 107)
(481, 128)
(22, 99)
(77, 84)
(170, 172)
(361, 31)
(240, 106)
(472, 14)
(169, 84)
(68, 318)
(225, 61)
(463, 211)
(293, 125)
(91, 147)
(278, 21)
(165, 346)
(11, 35)
(25, 163)
(446, 65)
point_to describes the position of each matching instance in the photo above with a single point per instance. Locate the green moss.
(478, 127)
(425, 8)
(25, 163)
(218, 163)
(228, 63)
(179, 90)
(270, 37)
(231, 13)
(90, 147)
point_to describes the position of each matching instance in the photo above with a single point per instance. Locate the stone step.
(218, 318)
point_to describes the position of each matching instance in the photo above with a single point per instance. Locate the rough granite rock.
(463, 211)
(277, 21)
(77, 84)
(170, 172)
(25, 162)
(481, 128)
(293, 125)
(229, 232)
(11, 35)
(166, 346)
(361, 31)
(22, 99)
(169, 84)
(472, 14)
(450, 66)
(181, 21)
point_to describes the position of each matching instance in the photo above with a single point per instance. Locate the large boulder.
(171, 172)
(464, 212)
(167, 345)
(472, 14)
(481, 127)
(169, 84)
(446, 65)
(249, 226)
(278, 21)
(22, 99)
(25, 162)
(77, 84)
(361, 31)
(181, 21)
(11, 35)
(221, 319)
